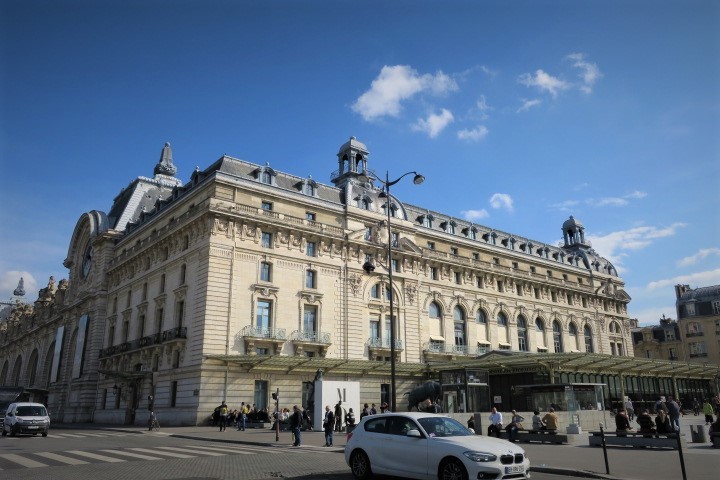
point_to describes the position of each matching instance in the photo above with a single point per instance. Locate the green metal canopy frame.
(496, 362)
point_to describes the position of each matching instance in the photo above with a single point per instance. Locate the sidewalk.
(577, 459)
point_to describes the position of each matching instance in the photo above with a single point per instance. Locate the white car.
(430, 446)
(26, 417)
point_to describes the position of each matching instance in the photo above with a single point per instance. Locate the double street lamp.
(369, 267)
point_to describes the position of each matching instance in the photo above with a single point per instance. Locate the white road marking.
(95, 456)
(25, 462)
(61, 458)
(188, 450)
(131, 454)
(169, 454)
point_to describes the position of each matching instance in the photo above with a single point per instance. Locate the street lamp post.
(368, 267)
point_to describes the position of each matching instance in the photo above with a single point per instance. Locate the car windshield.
(443, 427)
(31, 411)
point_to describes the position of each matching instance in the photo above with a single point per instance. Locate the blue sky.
(519, 114)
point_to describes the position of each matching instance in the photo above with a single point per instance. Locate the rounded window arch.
(557, 337)
(572, 329)
(17, 368)
(539, 325)
(480, 316)
(587, 333)
(522, 334)
(458, 314)
(32, 366)
(434, 310)
(4, 373)
(615, 328)
(502, 319)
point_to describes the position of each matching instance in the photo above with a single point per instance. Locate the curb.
(574, 473)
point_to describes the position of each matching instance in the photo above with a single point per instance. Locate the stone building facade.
(698, 313)
(179, 293)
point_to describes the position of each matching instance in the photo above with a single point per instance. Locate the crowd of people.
(548, 422)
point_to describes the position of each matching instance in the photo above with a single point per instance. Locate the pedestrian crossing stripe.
(95, 456)
(132, 454)
(25, 462)
(215, 448)
(187, 450)
(155, 452)
(61, 458)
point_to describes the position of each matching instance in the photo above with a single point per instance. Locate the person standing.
(328, 426)
(373, 410)
(338, 416)
(708, 412)
(630, 409)
(295, 422)
(496, 421)
(674, 413)
(696, 407)
(222, 416)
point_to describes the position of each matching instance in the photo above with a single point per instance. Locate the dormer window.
(470, 232)
(266, 175)
(449, 227)
(309, 187)
(364, 202)
(426, 220)
(266, 178)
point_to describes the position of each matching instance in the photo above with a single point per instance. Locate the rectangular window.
(553, 296)
(104, 399)
(395, 265)
(183, 271)
(433, 273)
(496, 260)
(716, 307)
(568, 297)
(162, 283)
(265, 272)
(673, 354)
(515, 265)
(532, 269)
(394, 240)
(173, 393)
(374, 327)
(519, 290)
(180, 313)
(266, 239)
(125, 333)
(580, 280)
(549, 273)
(310, 249)
(141, 326)
(453, 251)
(267, 206)
(584, 302)
(260, 398)
(310, 319)
(118, 396)
(159, 314)
(476, 256)
(564, 276)
(310, 279)
(431, 245)
(500, 286)
(648, 354)
(310, 216)
(458, 278)
(537, 292)
(479, 281)
(263, 316)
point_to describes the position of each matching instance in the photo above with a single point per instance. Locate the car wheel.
(360, 465)
(44, 434)
(452, 469)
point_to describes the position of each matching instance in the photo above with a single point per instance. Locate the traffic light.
(274, 396)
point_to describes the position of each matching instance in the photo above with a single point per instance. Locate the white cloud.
(709, 277)
(501, 200)
(564, 206)
(615, 201)
(473, 135)
(482, 104)
(544, 81)
(614, 246)
(473, 215)
(434, 124)
(395, 84)
(700, 255)
(528, 104)
(589, 72)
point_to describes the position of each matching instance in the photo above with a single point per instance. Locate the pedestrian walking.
(328, 426)
(295, 423)
(222, 416)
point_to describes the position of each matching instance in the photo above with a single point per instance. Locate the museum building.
(247, 281)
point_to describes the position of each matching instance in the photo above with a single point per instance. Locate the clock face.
(87, 261)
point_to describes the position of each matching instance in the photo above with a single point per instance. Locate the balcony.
(380, 348)
(698, 355)
(265, 338)
(179, 333)
(318, 342)
(439, 350)
(694, 334)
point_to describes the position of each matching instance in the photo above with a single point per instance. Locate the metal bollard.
(604, 447)
(680, 452)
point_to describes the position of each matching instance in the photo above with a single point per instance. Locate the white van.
(26, 417)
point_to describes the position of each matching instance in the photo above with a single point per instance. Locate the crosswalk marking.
(25, 462)
(188, 450)
(72, 435)
(233, 449)
(61, 458)
(96, 456)
(169, 454)
(131, 454)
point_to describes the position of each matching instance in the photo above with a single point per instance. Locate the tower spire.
(165, 165)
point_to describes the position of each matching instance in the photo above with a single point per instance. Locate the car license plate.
(33, 428)
(514, 469)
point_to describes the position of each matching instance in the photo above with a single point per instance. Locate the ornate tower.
(352, 163)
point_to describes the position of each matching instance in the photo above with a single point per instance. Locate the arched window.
(375, 291)
(572, 330)
(588, 339)
(3, 374)
(33, 368)
(434, 310)
(266, 177)
(310, 279)
(501, 319)
(540, 335)
(557, 337)
(480, 317)
(459, 321)
(539, 325)
(522, 334)
(15, 380)
(616, 340)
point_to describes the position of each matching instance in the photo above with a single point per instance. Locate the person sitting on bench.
(662, 423)
(496, 421)
(550, 421)
(622, 423)
(537, 423)
(646, 422)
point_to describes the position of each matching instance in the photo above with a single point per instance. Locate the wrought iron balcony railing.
(261, 332)
(384, 343)
(310, 337)
(147, 341)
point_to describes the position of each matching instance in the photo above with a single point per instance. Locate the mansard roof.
(701, 294)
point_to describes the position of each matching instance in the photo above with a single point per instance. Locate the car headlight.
(480, 456)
